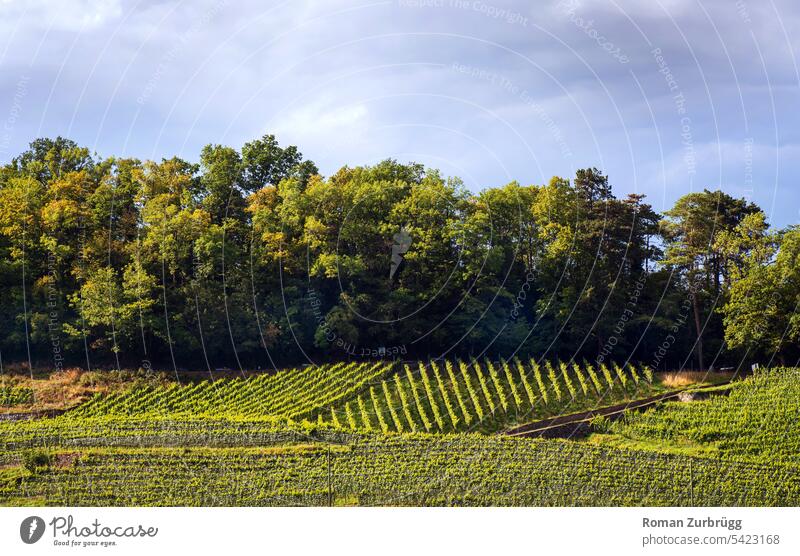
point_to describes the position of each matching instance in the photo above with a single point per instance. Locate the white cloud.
(225, 71)
(322, 119)
(66, 15)
(634, 7)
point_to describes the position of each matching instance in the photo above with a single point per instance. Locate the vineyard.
(485, 396)
(447, 470)
(757, 421)
(436, 397)
(291, 393)
(159, 431)
(423, 434)
(14, 395)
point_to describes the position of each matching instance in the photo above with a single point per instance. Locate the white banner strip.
(399, 531)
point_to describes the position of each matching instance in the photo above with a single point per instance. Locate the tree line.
(251, 258)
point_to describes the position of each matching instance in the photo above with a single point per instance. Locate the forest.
(250, 258)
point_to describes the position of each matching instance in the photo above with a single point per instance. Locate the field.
(757, 422)
(437, 397)
(423, 434)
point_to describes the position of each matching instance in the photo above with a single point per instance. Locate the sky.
(665, 96)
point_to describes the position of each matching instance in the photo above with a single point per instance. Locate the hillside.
(217, 443)
(757, 421)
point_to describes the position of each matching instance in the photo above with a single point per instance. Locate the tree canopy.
(251, 258)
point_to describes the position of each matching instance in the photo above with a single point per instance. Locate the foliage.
(110, 453)
(36, 460)
(15, 395)
(251, 258)
(761, 313)
(407, 470)
(293, 393)
(430, 407)
(756, 421)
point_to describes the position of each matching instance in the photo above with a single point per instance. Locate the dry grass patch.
(70, 387)
(681, 379)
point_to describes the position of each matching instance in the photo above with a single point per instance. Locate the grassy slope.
(466, 469)
(757, 421)
(71, 387)
(512, 396)
(409, 469)
(110, 392)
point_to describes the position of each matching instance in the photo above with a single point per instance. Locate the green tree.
(690, 230)
(761, 312)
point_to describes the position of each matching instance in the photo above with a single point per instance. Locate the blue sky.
(666, 96)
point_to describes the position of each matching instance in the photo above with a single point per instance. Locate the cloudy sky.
(666, 96)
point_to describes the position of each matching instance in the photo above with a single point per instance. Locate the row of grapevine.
(158, 430)
(15, 395)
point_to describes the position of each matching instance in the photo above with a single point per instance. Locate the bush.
(36, 460)
(601, 424)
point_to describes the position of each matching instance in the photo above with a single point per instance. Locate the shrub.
(36, 460)
(600, 423)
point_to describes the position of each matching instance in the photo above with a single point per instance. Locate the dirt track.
(578, 424)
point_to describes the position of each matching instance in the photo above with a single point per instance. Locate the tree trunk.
(698, 327)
